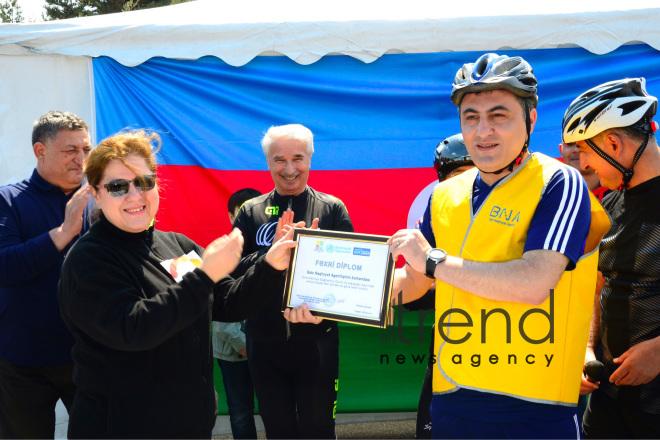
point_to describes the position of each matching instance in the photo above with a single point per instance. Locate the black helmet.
(449, 155)
(615, 104)
(495, 72)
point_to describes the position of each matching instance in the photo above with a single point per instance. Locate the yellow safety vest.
(537, 353)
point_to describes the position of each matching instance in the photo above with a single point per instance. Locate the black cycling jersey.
(630, 299)
(257, 220)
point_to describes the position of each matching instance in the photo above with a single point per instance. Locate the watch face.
(437, 254)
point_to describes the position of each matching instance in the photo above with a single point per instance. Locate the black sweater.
(143, 358)
(257, 220)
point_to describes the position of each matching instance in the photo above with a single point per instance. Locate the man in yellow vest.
(613, 129)
(513, 245)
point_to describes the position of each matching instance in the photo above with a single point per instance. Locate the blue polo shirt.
(32, 332)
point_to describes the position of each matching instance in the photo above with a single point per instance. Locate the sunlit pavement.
(358, 425)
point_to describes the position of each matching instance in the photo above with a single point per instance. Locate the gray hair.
(291, 131)
(47, 126)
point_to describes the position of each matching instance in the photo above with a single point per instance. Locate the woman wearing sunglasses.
(140, 303)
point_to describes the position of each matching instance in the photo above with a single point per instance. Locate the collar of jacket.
(114, 232)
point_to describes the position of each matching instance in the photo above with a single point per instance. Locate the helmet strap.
(627, 173)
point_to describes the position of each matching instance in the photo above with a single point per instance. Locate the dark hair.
(241, 196)
(527, 104)
(47, 126)
(633, 133)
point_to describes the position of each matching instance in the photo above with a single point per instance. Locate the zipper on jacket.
(288, 324)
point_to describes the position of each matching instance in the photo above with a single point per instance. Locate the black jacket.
(143, 359)
(257, 220)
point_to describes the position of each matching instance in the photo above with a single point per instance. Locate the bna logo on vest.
(504, 216)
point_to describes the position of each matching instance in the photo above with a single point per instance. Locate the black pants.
(296, 384)
(28, 396)
(607, 418)
(423, 427)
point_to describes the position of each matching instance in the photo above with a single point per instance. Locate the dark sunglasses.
(120, 187)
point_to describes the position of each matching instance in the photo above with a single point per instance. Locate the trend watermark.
(460, 318)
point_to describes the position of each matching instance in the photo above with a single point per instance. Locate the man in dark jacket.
(294, 366)
(613, 128)
(40, 219)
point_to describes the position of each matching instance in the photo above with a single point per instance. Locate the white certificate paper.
(178, 267)
(342, 278)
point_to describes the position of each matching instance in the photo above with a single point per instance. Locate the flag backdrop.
(376, 127)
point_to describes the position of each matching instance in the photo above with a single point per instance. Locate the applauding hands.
(222, 256)
(285, 226)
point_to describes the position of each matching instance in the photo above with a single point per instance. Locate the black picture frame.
(350, 238)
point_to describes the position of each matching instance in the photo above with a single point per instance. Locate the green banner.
(376, 364)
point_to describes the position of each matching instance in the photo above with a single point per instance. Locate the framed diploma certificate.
(341, 275)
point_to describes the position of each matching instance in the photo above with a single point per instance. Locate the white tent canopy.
(305, 31)
(45, 66)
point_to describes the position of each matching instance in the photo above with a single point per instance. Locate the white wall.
(31, 85)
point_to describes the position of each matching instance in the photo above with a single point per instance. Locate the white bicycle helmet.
(615, 104)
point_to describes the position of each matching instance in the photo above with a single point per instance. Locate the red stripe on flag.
(194, 199)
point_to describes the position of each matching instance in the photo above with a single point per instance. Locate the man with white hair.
(294, 366)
